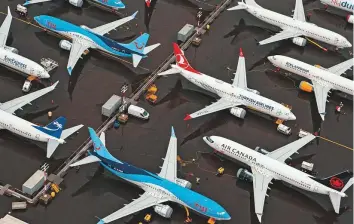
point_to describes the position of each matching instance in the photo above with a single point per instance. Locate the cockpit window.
(209, 140)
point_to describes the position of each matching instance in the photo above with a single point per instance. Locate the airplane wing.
(286, 151)
(15, 104)
(5, 28)
(169, 167)
(221, 104)
(77, 49)
(146, 200)
(102, 30)
(260, 186)
(321, 93)
(299, 13)
(285, 34)
(29, 2)
(341, 67)
(240, 79)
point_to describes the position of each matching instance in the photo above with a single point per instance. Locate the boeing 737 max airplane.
(113, 4)
(53, 133)
(269, 166)
(323, 80)
(84, 38)
(294, 27)
(231, 95)
(160, 188)
(10, 58)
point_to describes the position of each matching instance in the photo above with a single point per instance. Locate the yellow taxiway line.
(344, 146)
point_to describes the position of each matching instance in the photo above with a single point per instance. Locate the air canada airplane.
(53, 134)
(323, 80)
(232, 96)
(271, 165)
(159, 188)
(293, 28)
(10, 58)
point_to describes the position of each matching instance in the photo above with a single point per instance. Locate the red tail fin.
(182, 61)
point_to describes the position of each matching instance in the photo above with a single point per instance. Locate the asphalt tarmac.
(96, 78)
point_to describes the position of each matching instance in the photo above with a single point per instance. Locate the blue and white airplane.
(159, 188)
(53, 134)
(113, 4)
(84, 38)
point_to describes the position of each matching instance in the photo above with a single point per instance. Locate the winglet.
(188, 117)
(241, 53)
(70, 70)
(134, 14)
(173, 132)
(8, 10)
(55, 84)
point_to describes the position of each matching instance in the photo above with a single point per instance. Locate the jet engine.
(243, 174)
(254, 91)
(77, 3)
(11, 49)
(84, 27)
(305, 86)
(184, 183)
(350, 19)
(299, 41)
(238, 112)
(260, 150)
(163, 210)
(64, 44)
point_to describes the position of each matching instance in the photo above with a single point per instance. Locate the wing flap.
(240, 79)
(299, 13)
(286, 151)
(340, 68)
(15, 104)
(169, 167)
(285, 34)
(5, 28)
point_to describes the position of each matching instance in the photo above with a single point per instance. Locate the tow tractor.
(21, 10)
(281, 127)
(28, 83)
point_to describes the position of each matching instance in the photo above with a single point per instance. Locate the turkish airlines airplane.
(323, 80)
(10, 58)
(293, 28)
(232, 96)
(268, 166)
(53, 134)
(343, 5)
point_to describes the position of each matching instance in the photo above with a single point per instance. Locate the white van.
(138, 112)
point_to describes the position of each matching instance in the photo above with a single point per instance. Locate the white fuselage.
(235, 94)
(318, 75)
(22, 65)
(22, 127)
(347, 5)
(307, 29)
(265, 164)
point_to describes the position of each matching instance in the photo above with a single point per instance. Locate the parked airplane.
(164, 187)
(293, 28)
(84, 38)
(268, 166)
(53, 133)
(113, 4)
(10, 58)
(231, 95)
(343, 5)
(323, 80)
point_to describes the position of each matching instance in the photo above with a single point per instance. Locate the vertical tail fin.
(55, 128)
(182, 61)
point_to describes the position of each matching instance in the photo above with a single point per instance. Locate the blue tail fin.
(139, 43)
(55, 128)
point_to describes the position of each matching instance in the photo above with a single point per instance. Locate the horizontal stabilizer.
(136, 60)
(52, 145)
(86, 160)
(67, 132)
(169, 72)
(150, 48)
(335, 199)
(238, 7)
(103, 138)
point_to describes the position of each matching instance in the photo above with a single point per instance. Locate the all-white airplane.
(294, 27)
(271, 165)
(343, 5)
(10, 58)
(323, 80)
(231, 95)
(53, 133)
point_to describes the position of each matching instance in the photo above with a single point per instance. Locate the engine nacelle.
(243, 174)
(184, 183)
(305, 86)
(163, 210)
(64, 44)
(260, 150)
(299, 41)
(238, 112)
(254, 91)
(11, 49)
(77, 3)
(350, 19)
(84, 27)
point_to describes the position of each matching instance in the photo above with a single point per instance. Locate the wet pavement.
(96, 78)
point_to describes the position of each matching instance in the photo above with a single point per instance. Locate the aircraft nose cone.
(292, 117)
(349, 44)
(36, 18)
(46, 75)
